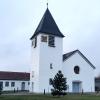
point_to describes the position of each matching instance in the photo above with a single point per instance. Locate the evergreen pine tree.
(59, 84)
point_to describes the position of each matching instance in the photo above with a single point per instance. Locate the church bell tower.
(47, 49)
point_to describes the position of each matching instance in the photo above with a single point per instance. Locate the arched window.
(76, 69)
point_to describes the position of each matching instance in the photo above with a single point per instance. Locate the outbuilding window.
(12, 84)
(28, 83)
(1, 84)
(6, 84)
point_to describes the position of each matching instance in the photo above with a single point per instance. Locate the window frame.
(34, 42)
(12, 84)
(7, 84)
(51, 66)
(51, 41)
(77, 70)
(28, 83)
(50, 81)
(44, 38)
(32, 74)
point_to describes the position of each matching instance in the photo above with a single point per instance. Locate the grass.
(49, 97)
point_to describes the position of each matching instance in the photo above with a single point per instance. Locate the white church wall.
(49, 55)
(42, 57)
(86, 75)
(34, 73)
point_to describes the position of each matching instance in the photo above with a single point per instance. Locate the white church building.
(48, 59)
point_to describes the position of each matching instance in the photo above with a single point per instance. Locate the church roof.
(68, 55)
(47, 25)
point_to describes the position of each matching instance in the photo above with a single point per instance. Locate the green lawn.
(49, 97)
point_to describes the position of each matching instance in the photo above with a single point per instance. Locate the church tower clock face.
(76, 70)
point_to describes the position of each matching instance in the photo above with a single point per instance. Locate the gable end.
(68, 55)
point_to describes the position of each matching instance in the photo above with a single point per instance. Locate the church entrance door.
(76, 86)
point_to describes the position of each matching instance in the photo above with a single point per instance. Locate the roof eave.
(48, 33)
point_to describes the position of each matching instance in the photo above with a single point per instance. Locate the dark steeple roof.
(47, 25)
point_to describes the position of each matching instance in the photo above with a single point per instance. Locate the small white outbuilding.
(14, 81)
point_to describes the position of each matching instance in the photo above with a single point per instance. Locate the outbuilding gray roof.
(47, 25)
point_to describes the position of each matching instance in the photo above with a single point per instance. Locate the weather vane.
(47, 3)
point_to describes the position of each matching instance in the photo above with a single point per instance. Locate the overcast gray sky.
(78, 20)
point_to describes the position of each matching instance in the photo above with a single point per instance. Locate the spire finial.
(47, 3)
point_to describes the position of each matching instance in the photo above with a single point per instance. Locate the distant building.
(97, 84)
(14, 81)
(48, 58)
